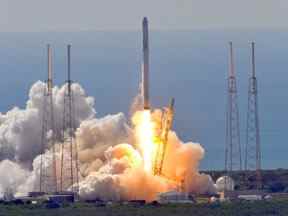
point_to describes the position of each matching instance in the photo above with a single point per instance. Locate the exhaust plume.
(112, 157)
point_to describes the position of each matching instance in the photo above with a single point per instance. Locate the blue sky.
(83, 15)
(190, 66)
(111, 61)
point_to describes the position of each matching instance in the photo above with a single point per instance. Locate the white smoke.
(20, 129)
(20, 135)
(111, 166)
(95, 136)
(12, 177)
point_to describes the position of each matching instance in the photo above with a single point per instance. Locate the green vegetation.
(263, 208)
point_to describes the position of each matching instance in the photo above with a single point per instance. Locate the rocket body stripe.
(145, 69)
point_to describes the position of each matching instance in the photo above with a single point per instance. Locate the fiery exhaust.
(145, 133)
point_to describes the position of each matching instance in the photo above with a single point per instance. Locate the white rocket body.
(145, 69)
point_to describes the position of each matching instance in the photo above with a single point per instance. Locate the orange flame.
(145, 132)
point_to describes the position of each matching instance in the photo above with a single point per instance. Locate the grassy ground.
(82, 209)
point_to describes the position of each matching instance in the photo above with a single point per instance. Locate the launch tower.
(69, 173)
(233, 160)
(47, 175)
(252, 148)
(166, 125)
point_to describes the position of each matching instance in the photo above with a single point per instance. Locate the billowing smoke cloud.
(20, 129)
(122, 177)
(95, 136)
(111, 165)
(120, 174)
(12, 177)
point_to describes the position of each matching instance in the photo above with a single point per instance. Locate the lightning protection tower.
(69, 173)
(48, 177)
(252, 148)
(233, 160)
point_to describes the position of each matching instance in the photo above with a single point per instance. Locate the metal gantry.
(69, 170)
(233, 159)
(48, 174)
(166, 125)
(252, 148)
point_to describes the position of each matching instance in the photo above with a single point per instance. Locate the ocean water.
(189, 65)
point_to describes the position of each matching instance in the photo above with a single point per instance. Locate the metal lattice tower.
(48, 176)
(69, 173)
(233, 159)
(252, 149)
(166, 125)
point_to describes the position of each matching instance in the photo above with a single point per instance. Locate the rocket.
(49, 60)
(145, 65)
